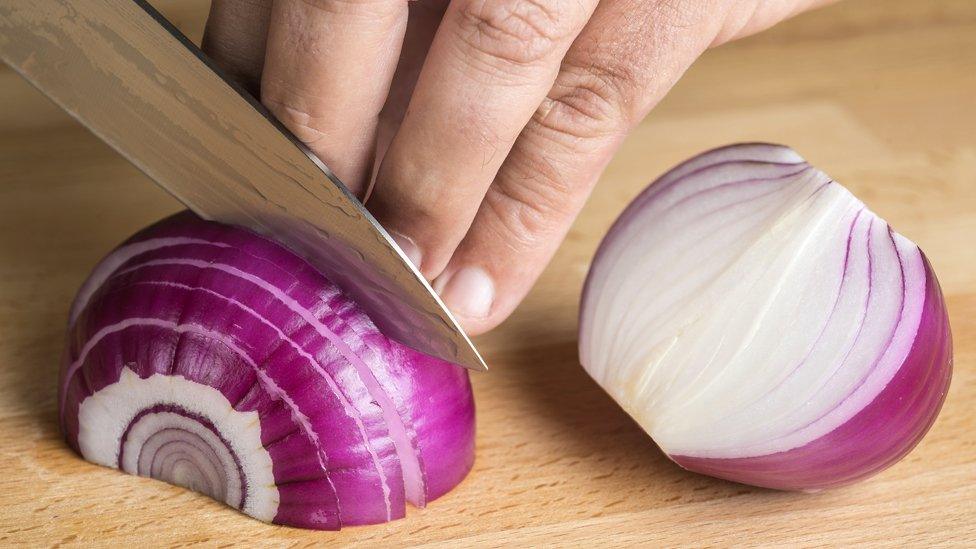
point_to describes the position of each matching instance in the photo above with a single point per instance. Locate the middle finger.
(489, 67)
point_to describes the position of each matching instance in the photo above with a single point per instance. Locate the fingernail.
(468, 292)
(410, 249)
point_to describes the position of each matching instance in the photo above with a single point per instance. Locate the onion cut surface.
(212, 358)
(763, 326)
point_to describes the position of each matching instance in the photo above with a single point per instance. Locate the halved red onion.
(763, 326)
(212, 358)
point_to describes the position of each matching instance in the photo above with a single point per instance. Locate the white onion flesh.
(747, 306)
(106, 418)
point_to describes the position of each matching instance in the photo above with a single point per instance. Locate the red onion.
(209, 357)
(763, 326)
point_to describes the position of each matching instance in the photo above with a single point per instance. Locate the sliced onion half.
(764, 326)
(212, 358)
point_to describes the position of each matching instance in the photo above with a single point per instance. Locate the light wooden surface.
(879, 93)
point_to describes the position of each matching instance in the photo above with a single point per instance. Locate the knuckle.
(589, 103)
(530, 212)
(520, 32)
(520, 225)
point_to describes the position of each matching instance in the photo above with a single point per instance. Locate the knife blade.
(135, 81)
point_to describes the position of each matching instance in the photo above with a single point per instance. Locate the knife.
(135, 81)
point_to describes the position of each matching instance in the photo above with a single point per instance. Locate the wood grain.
(879, 93)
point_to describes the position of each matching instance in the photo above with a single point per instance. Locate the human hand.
(492, 119)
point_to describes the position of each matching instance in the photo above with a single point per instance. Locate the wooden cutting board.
(879, 93)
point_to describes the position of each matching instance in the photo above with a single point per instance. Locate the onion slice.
(764, 326)
(212, 358)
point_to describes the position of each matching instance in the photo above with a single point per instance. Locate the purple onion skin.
(875, 437)
(355, 424)
(878, 436)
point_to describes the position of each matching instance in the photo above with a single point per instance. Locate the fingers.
(235, 38)
(624, 61)
(489, 66)
(327, 73)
